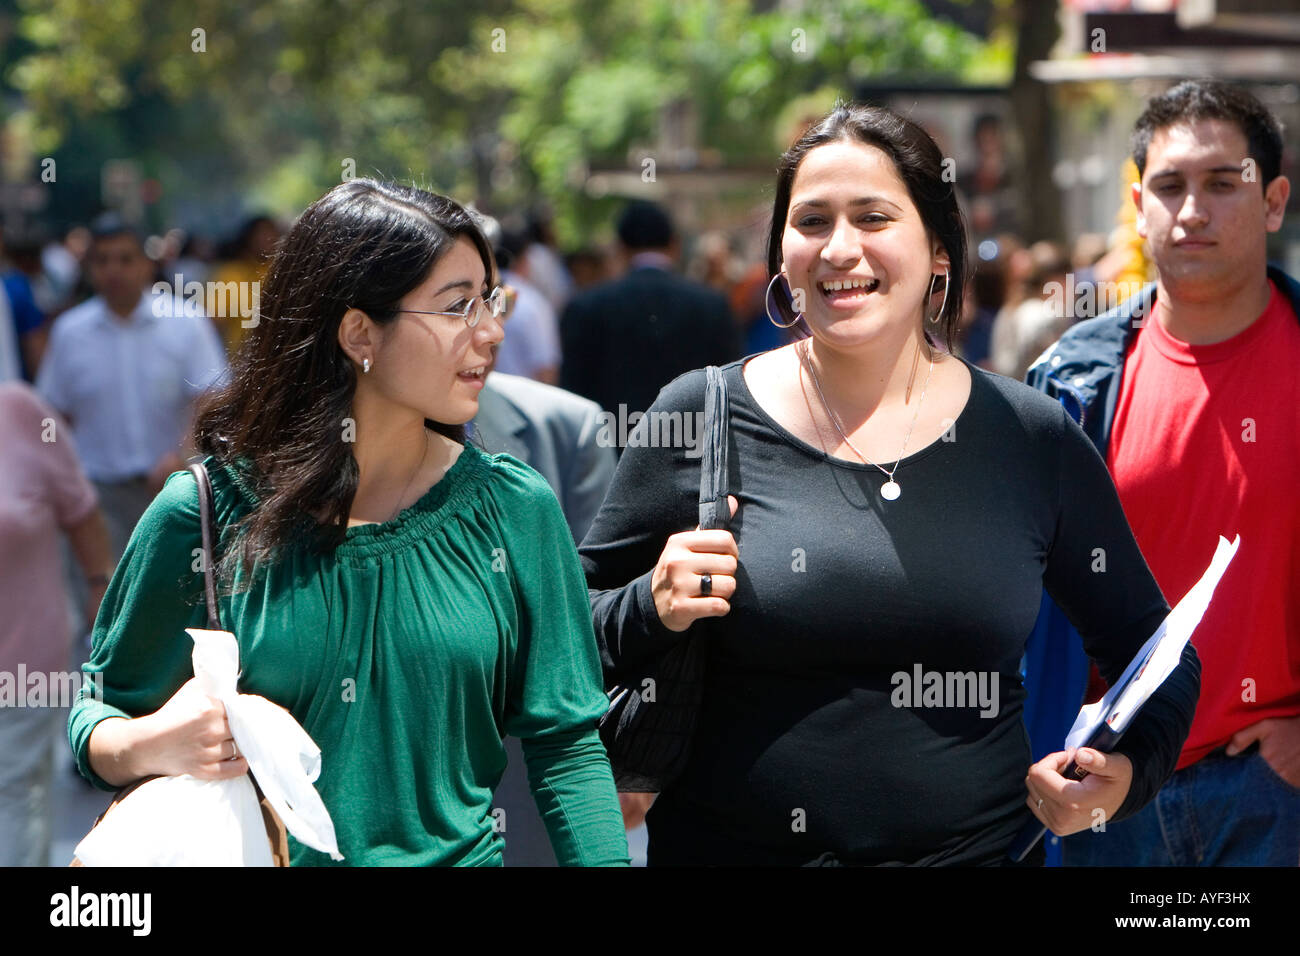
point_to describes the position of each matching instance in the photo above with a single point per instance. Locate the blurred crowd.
(1015, 305)
(80, 329)
(114, 334)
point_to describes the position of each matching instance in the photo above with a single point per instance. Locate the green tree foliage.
(502, 102)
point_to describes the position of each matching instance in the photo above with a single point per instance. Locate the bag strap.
(714, 510)
(207, 519)
(275, 829)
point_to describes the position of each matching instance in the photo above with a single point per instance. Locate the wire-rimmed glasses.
(494, 302)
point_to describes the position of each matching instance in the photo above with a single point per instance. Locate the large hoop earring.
(944, 304)
(768, 309)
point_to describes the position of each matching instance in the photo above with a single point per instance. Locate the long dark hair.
(280, 419)
(921, 167)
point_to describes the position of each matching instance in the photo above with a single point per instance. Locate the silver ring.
(1040, 804)
(234, 748)
(706, 585)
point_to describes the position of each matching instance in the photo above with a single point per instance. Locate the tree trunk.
(1036, 33)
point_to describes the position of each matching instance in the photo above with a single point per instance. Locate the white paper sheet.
(1157, 658)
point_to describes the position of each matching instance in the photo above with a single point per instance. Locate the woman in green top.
(408, 598)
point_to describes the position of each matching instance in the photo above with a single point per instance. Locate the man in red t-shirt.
(1203, 439)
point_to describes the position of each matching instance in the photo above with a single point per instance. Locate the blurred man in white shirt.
(125, 368)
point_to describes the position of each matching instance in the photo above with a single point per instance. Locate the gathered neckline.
(411, 523)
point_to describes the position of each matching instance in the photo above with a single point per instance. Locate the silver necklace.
(890, 489)
(424, 455)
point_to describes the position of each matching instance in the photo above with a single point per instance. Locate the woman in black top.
(899, 513)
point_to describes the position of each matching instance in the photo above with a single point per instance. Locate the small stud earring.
(365, 366)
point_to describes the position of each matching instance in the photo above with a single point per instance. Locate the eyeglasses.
(494, 302)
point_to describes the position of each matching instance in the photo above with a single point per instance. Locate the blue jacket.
(1083, 371)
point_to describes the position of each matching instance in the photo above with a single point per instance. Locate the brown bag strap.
(275, 829)
(207, 519)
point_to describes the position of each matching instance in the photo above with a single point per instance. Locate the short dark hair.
(510, 247)
(110, 225)
(985, 121)
(1213, 99)
(645, 225)
(920, 165)
(248, 227)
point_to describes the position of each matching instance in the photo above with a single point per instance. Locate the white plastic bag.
(183, 821)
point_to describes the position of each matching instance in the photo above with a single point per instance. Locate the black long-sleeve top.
(809, 744)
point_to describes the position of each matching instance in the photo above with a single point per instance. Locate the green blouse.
(407, 655)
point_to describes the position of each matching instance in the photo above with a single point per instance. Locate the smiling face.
(1204, 220)
(856, 246)
(436, 364)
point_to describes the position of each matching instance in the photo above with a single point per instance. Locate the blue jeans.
(1220, 811)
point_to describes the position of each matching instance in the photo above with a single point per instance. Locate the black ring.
(706, 585)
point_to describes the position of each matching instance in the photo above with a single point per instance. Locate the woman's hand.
(1068, 806)
(187, 735)
(1279, 745)
(676, 580)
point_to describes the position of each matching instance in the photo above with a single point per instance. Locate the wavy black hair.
(279, 418)
(920, 165)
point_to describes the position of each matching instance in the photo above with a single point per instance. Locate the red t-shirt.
(1206, 441)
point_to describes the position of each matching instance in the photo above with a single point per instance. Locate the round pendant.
(890, 490)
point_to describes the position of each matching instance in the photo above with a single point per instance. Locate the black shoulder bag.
(647, 729)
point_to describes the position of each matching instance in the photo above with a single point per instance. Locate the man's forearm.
(33, 347)
(89, 541)
(90, 546)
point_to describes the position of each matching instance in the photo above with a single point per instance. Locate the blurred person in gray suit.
(554, 432)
